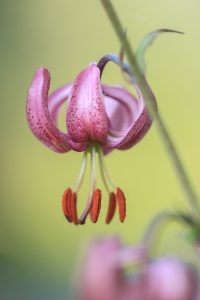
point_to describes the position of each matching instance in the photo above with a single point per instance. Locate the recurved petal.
(121, 108)
(56, 99)
(86, 115)
(39, 119)
(140, 122)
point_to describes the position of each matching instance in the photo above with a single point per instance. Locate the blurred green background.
(39, 250)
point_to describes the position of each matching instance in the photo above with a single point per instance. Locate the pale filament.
(110, 186)
(92, 185)
(77, 184)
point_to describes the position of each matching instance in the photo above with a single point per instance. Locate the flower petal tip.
(86, 115)
(38, 115)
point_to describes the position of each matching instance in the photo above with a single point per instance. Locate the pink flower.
(99, 118)
(170, 279)
(104, 275)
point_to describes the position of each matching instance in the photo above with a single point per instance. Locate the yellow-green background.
(38, 248)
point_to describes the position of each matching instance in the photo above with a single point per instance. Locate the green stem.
(148, 97)
(155, 225)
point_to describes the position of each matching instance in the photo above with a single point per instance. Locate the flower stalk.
(146, 92)
(155, 225)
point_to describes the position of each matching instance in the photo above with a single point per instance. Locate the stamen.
(104, 173)
(113, 198)
(93, 206)
(73, 208)
(69, 198)
(121, 203)
(96, 205)
(81, 175)
(111, 208)
(66, 204)
(92, 186)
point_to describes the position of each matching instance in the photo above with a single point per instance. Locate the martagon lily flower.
(99, 118)
(104, 276)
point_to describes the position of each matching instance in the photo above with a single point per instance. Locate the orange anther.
(111, 208)
(96, 205)
(66, 204)
(121, 203)
(73, 208)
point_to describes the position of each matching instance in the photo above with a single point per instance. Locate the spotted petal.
(140, 120)
(55, 102)
(86, 115)
(39, 119)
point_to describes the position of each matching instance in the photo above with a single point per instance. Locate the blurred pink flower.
(104, 275)
(170, 279)
(99, 118)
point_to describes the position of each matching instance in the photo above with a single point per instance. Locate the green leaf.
(148, 41)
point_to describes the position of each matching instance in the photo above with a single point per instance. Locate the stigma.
(115, 196)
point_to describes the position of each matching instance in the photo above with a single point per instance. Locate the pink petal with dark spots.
(86, 115)
(55, 102)
(140, 120)
(39, 119)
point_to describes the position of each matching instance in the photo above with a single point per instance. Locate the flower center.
(93, 205)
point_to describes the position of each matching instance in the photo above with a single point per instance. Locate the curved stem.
(164, 217)
(155, 224)
(148, 97)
